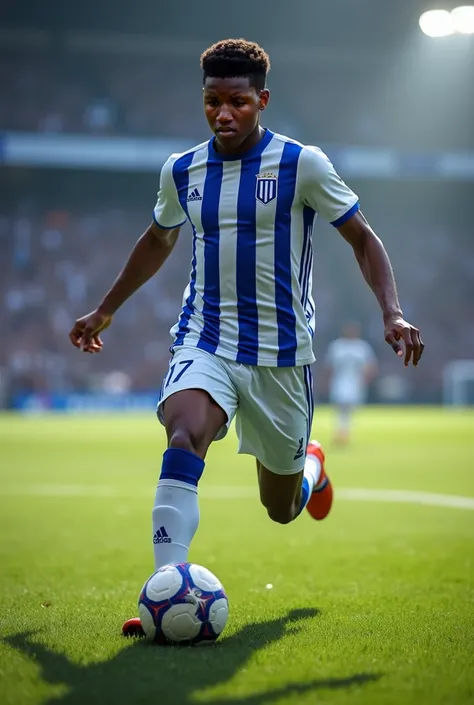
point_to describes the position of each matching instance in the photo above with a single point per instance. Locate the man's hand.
(396, 329)
(85, 333)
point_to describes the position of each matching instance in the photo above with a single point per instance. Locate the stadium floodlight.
(437, 23)
(463, 19)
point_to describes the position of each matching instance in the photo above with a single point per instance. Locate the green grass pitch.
(373, 606)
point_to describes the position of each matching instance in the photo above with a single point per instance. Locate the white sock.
(312, 471)
(311, 474)
(175, 521)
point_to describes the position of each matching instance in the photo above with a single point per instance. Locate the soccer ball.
(183, 603)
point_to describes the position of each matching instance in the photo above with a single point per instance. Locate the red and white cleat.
(320, 502)
(133, 627)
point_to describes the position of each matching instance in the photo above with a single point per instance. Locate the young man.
(243, 342)
(350, 366)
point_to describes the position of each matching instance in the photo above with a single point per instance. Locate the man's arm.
(377, 270)
(150, 252)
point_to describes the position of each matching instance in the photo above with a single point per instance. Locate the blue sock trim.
(182, 465)
(304, 494)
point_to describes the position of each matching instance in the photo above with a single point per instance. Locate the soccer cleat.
(320, 502)
(133, 627)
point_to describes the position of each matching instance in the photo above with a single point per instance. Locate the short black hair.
(232, 58)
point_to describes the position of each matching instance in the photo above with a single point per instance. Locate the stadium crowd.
(135, 94)
(59, 254)
(56, 265)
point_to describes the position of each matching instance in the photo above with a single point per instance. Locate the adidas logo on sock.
(161, 536)
(194, 196)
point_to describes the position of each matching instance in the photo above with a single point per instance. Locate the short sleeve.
(323, 189)
(168, 212)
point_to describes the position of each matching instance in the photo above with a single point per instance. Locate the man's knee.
(192, 420)
(279, 494)
(187, 439)
(281, 514)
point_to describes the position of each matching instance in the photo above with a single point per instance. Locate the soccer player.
(350, 366)
(242, 346)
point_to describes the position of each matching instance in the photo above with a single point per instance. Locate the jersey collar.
(256, 151)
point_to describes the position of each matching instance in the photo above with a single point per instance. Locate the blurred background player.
(350, 366)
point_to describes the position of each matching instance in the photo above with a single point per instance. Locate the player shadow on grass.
(175, 676)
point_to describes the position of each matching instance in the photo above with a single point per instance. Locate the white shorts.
(273, 406)
(346, 394)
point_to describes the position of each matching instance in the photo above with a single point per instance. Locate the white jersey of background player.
(351, 365)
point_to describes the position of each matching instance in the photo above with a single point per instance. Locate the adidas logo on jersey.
(300, 452)
(194, 196)
(161, 536)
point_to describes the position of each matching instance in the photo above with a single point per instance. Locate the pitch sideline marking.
(226, 492)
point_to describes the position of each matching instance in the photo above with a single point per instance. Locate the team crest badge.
(266, 188)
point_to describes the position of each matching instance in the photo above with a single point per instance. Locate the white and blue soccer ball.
(183, 603)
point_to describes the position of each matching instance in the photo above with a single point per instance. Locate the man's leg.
(273, 424)
(197, 403)
(343, 423)
(192, 420)
(285, 496)
(280, 494)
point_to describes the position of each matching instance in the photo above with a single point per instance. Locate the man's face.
(232, 107)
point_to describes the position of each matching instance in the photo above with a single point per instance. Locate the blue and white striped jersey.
(249, 298)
